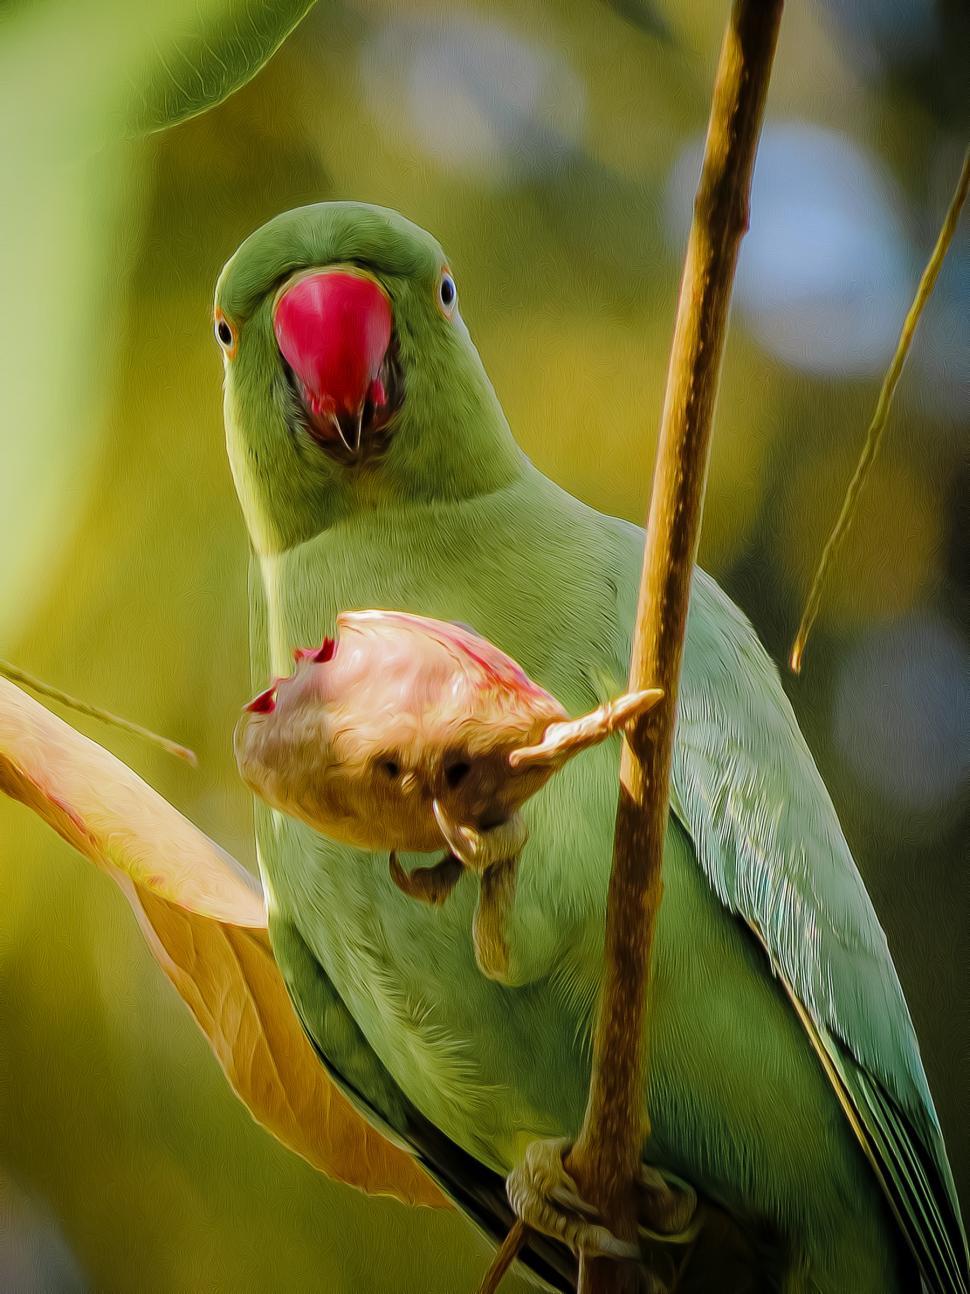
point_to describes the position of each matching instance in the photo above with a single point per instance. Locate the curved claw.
(465, 842)
(480, 849)
(547, 1199)
(668, 1207)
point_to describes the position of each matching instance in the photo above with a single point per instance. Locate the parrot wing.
(358, 1072)
(746, 788)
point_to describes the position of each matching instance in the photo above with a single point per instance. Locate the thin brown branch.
(505, 1256)
(606, 1157)
(881, 416)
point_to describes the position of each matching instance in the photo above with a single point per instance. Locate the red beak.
(334, 328)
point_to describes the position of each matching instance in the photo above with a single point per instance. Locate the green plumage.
(785, 1078)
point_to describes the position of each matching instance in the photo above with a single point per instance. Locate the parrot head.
(350, 377)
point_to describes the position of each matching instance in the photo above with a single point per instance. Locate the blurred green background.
(553, 149)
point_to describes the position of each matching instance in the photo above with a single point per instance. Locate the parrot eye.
(447, 294)
(225, 334)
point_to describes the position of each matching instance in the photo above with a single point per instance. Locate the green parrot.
(376, 469)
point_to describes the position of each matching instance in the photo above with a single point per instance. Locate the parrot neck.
(453, 443)
(409, 557)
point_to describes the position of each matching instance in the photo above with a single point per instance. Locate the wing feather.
(745, 786)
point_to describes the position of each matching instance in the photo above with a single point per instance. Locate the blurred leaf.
(220, 47)
(228, 978)
(643, 15)
(107, 812)
(66, 226)
(204, 921)
(78, 80)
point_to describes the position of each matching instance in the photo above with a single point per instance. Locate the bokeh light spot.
(474, 95)
(824, 278)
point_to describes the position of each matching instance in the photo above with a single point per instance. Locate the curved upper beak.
(333, 328)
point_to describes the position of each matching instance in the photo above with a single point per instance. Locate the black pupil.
(447, 290)
(224, 333)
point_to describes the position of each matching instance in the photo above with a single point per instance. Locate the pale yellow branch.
(41, 688)
(505, 1256)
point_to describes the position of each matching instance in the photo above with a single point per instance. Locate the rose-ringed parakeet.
(375, 468)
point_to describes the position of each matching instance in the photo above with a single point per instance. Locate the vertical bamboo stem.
(606, 1157)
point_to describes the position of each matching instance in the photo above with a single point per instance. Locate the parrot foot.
(428, 884)
(668, 1207)
(492, 852)
(547, 1199)
(495, 898)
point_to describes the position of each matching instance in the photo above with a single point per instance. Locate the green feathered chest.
(473, 1055)
(495, 1065)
